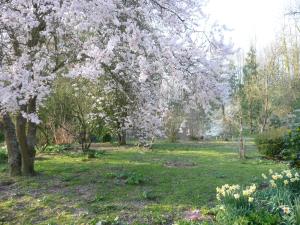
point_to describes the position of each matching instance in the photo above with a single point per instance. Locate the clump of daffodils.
(249, 190)
(236, 192)
(227, 190)
(284, 178)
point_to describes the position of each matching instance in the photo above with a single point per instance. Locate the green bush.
(3, 154)
(2, 138)
(272, 143)
(293, 140)
(292, 147)
(107, 138)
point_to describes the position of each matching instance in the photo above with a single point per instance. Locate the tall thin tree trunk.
(242, 147)
(266, 110)
(14, 155)
(251, 118)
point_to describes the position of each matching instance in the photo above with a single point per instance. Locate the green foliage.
(276, 203)
(264, 218)
(292, 147)
(271, 143)
(98, 198)
(55, 148)
(293, 140)
(107, 138)
(254, 218)
(3, 154)
(67, 114)
(2, 138)
(92, 153)
(131, 178)
(297, 210)
(148, 195)
(173, 120)
(134, 179)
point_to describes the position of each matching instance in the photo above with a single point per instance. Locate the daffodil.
(246, 193)
(285, 209)
(273, 184)
(253, 188)
(236, 196)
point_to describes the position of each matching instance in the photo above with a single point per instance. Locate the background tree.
(249, 91)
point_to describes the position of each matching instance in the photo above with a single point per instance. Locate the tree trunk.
(31, 129)
(85, 140)
(266, 110)
(14, 155)
(242, 147)
(251, 118)
(122, 137)
(27, 152)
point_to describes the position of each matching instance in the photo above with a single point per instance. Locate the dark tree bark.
(27, 138)
(122, 137)
(14, 155)
(85, 140)
(27, 155)
(31, 135)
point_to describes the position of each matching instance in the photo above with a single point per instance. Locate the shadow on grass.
(80, 190)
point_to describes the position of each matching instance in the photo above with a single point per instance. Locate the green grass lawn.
(171, 179)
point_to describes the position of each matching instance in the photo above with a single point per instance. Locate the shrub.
(107, 138)
(3, 154)
(272, 143)
(292, 147)
(292, 140)
(2, 138)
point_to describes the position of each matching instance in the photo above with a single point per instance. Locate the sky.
(251, 21)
